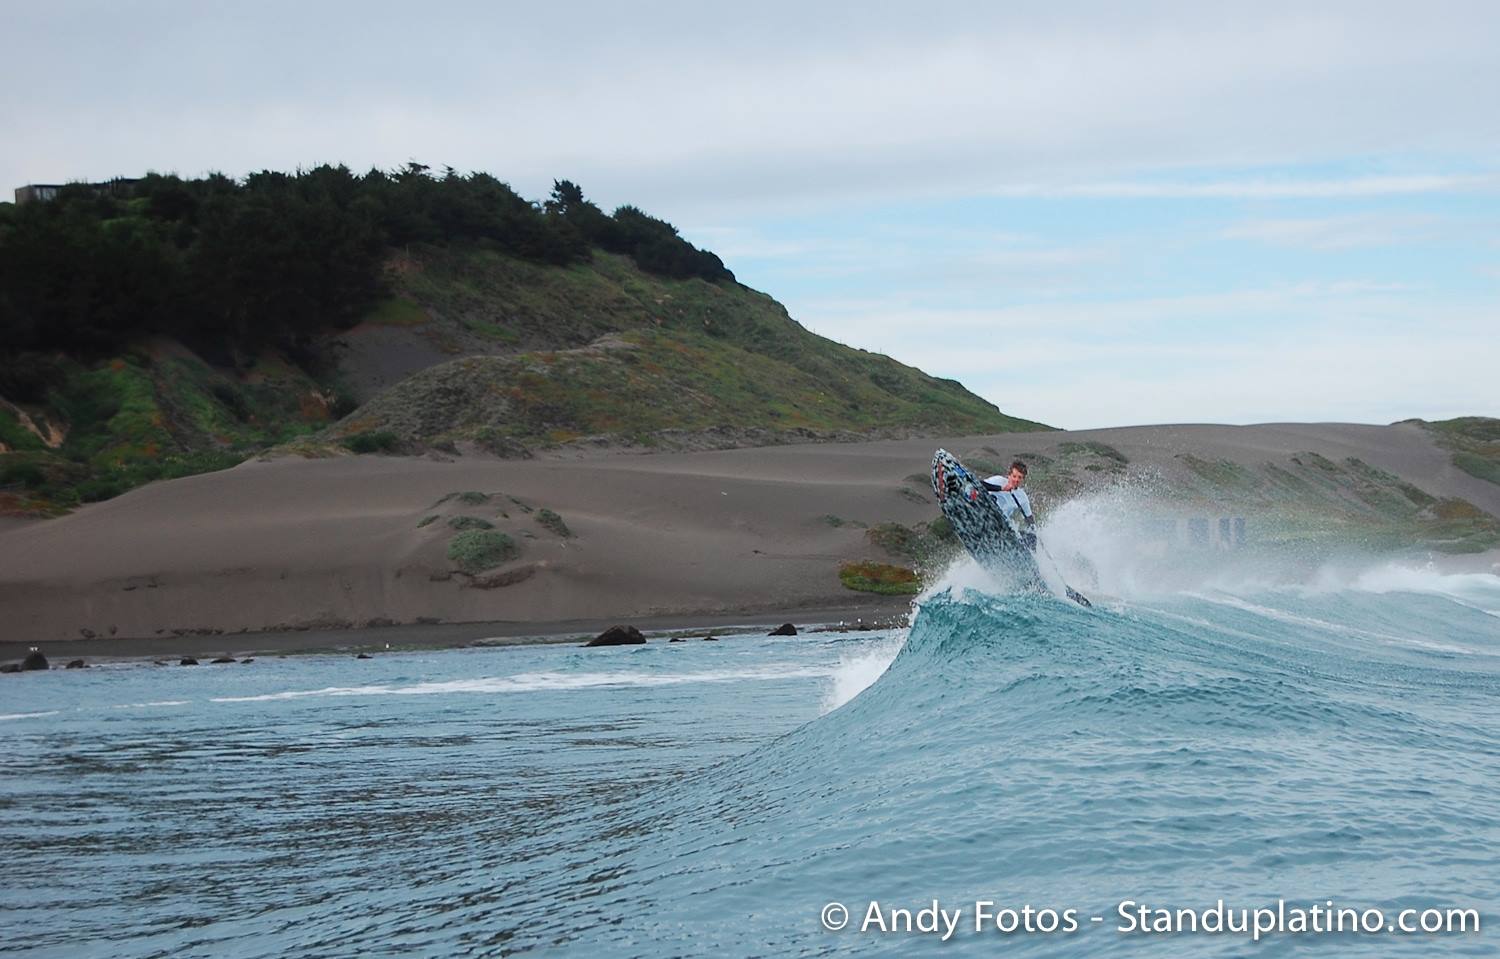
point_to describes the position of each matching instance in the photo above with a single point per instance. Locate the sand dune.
(334, 543)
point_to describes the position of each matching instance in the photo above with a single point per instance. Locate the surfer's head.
(1017, 473)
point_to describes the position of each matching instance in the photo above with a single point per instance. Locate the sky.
(1091, 214)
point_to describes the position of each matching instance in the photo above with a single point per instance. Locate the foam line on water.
(1480, 591)
(538, 682)
(8, 717)
(1285, 616)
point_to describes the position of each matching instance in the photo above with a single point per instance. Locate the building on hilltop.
(44, 192)
(39, 192)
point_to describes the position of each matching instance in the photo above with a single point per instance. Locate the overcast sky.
(1092, 214)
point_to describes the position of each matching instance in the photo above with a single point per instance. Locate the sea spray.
(1133, 539)
(860, 667)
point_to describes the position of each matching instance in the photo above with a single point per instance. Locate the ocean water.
(1335, 740)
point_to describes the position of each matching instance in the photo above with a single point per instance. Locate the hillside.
(1318, 488)
(157, 411)
(1473, 441)
(514, 357)
(486, 350)
(186, 325)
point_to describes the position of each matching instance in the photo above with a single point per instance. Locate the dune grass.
(553, 523)
(883, 578)
(478, 550)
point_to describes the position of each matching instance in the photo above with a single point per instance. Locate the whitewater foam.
(7, 717)
(857, 671)
(1477, 590)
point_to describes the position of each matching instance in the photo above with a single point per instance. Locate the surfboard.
(978, 522)
(982, 527)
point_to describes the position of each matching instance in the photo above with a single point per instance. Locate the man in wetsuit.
(1013, 501)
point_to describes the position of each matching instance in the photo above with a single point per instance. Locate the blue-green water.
(708, 799)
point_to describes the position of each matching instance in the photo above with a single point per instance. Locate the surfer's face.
(1016, 478)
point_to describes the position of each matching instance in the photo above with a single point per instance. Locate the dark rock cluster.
(618, 636)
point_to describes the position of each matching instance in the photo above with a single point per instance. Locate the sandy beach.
(297, 550)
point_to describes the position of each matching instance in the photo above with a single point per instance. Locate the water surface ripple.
(704, 799)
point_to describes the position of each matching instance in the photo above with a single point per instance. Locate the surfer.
(1010, 495)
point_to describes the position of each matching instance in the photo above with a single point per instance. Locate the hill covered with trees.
(232, 267)
(185, 324)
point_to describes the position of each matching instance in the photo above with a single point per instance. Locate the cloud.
(1211, 314)
(1377, 379)
(1338, 232)
(935, 182)
(1307, 351)
(1263, 189)
(685, 109)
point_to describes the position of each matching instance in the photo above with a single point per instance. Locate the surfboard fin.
(1078, 597)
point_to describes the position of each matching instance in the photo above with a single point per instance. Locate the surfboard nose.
(945, 475)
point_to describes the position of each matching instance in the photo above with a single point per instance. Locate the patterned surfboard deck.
(978, 522)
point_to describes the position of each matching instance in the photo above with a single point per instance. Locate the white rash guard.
(1010, 502)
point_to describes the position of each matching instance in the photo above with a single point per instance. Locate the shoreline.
(887, 612)
(298, 554)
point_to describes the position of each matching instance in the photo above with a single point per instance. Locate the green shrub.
(102, 487)
(231, 399)
(467, 498)
(427, 520)
(25, 473)
(343, 404)
(477, 550)
(191, 464)
(553, 522)
(1101, 450)
(469, 522)
(373, 441)
(1461, 509)
(880, 578)
(1478, 466)
(895, 539)
(15, 436)
(1473, 429)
